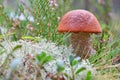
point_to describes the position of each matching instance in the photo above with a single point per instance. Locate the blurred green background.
(107, 12)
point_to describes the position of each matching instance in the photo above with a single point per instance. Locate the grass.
(107, 50)
(46, 19)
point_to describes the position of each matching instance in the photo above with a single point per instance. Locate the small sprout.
(89, 76)
(44, 58)
(80, 70)
(41, 56)
(73, 60)
(47, 59)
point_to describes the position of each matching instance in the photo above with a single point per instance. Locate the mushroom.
(81, 24)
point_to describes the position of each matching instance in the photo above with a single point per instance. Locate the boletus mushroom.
(81, 24)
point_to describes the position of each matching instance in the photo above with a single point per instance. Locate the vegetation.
(35, 23)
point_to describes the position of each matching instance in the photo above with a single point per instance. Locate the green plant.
(46, 19)
(73, 63)
(107, 47)
(43, 58)
(60, 75)
(89, 76)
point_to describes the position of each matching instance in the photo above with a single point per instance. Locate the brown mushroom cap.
(79, 21)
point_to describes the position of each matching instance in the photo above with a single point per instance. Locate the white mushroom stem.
(81, 43)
